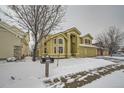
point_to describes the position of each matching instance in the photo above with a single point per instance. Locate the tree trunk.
(34, 52)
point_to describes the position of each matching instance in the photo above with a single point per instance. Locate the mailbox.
(47, 59)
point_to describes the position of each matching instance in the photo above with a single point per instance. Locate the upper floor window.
(60, 49)
(45, 43)
(60, 41)
(81, 41)
(87, 41)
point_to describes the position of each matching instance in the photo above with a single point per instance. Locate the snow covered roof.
(84, 45)
(89, 35)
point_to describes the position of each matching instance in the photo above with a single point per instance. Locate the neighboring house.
(101, 51)
(25, 45)
(13, 42)
(69, 43)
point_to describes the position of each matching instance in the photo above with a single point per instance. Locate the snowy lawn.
(82, 78)
(114, 80)
(112, 57)
(116, 59)
(31, 74)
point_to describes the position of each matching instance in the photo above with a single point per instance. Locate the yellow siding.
(87, 52)
(51, 45)
(86, 38)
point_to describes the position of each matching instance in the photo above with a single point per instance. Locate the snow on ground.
(26, 74)
(114, 80)
(31, 74)
(112, 57)
(117, 59)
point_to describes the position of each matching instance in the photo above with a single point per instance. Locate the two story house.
(69, 43)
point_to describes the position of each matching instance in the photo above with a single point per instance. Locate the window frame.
(61, 49)
(60, 41)
(87, 41)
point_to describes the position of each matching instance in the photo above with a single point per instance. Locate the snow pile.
(70, 80)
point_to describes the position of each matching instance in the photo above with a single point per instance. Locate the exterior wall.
(25, 49)
(25, 45)
(50, 48)
(106, 53)
(99, 52)
(87, 52)
(69, 45)
(83, 40)
(7, 43)
(102, 52)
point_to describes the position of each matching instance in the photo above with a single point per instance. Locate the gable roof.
(68, 30)
(61, 33)
(53, 36)
(87, 35)
(73, 28)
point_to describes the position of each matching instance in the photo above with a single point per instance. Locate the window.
(85, 41)
(60, 49)
(54, 41)
(45, 50)
(60, 41)
(89, 42)
(45, 43)
(54, 49)
(81, 41)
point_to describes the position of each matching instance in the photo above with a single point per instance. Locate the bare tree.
(110, 39)
(39, 19)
